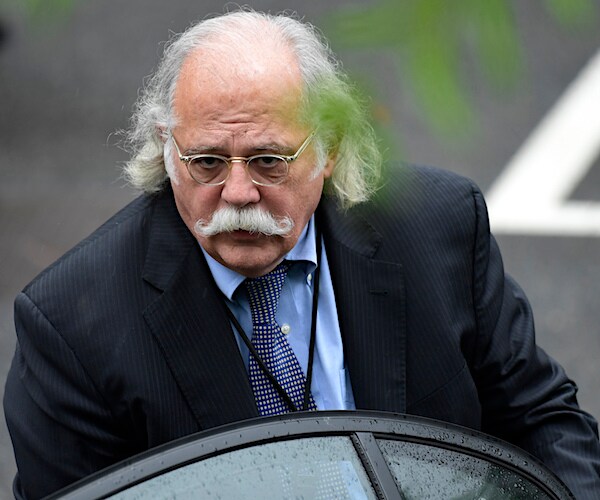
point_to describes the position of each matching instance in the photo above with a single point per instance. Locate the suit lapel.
(370, 299)
(190, 324)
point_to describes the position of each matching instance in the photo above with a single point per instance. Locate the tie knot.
(264, 292)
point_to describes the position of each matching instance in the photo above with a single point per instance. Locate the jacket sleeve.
(57, 419)
(526, 396)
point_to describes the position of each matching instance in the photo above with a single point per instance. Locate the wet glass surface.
(317, 468)
(427, 472)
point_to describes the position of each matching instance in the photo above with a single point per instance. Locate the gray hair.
(330, 104)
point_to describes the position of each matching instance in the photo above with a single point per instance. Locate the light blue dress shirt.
(330, 385)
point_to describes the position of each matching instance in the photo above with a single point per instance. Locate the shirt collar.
(304, 250)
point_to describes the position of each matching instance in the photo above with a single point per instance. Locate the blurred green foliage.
(428, 40)
(42, 10)
(572, 12)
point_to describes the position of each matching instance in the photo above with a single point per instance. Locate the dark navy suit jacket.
(124, 343)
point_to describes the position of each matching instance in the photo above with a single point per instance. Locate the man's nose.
(239, 190)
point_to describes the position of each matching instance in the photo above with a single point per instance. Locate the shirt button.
(285, 328)
(309, 278)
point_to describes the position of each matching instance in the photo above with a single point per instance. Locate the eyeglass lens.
(263, 169)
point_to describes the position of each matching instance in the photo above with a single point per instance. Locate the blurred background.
(506, 92)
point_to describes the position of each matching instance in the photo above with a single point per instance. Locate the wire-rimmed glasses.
(263, 169)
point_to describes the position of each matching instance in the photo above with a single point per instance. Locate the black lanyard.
(311, 346)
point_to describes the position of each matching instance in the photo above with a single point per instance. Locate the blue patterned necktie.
(272, 347)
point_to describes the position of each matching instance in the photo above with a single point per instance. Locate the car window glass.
(315, 468)
(427, 472)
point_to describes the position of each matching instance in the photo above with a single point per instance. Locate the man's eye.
(267, 162)
(207, 162)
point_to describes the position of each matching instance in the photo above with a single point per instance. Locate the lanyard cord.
(311, 348)
(313, 324)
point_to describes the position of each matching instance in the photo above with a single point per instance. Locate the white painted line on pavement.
(530, 195)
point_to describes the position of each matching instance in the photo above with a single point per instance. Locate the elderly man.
(261, 273)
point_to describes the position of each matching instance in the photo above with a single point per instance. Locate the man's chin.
(252, 268)
(250, 254)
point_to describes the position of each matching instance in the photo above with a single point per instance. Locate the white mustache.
(253, 220)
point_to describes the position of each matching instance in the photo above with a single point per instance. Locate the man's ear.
(332, 158)
(162, 133)
(329, 166)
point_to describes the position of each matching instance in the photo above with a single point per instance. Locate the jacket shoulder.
(425, 199)
(408, 185)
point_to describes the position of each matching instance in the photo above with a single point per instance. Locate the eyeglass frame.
(187, 159)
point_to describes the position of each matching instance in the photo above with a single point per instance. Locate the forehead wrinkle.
(221, 148)
(198, 150)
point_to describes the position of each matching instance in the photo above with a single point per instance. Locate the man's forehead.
(254, 61)
(211, 82)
